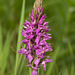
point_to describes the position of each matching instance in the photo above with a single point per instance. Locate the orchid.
(35, 38)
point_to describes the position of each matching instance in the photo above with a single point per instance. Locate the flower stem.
(30, 71)
(38, 71)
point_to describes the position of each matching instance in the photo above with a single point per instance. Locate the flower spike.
(35, 38)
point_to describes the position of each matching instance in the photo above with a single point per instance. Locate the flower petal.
(34, 72)
(22, 51)
(30, 58)
(37, 40)
(44, 67)
(45, 23)
(37, 61)
(48, 60)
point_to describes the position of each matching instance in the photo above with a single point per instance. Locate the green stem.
(38, 71)
(30, 71)
(36, 58)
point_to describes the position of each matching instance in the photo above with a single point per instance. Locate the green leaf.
(18, 58)
(5, 53)
(0, 39)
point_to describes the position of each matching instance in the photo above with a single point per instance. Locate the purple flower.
(34, 72)
(35, 36)
(37, 40)
(46, 61)
(22, 51)
(37, 61)
(45, 23)
(30, 58)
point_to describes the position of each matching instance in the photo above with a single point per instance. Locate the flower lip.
(22, 51)
(34, 72)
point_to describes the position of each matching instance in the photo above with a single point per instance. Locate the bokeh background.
(60, 14)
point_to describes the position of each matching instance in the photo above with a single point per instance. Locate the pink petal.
(30, 58)
(37, 61)
(44, 67)
(37, 40)
(34, 72)
(22, 51)
(45, 23)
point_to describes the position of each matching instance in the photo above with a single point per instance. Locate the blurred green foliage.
(60, 14)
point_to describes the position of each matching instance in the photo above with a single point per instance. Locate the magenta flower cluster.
(35, 36)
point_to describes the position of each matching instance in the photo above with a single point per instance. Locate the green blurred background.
(60, 14)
